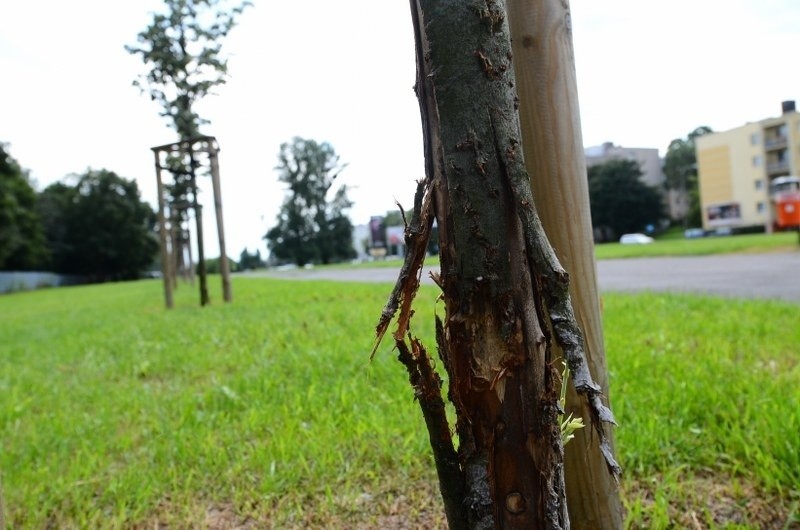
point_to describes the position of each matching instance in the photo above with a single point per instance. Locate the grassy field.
(266, 412)
(671, 244)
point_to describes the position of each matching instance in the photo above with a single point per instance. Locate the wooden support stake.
(544, 65)
(166, 258)
(224, 266)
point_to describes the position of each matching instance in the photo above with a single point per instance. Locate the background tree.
(213, 265)
(252, 261)
(22, 242)
(622, 203)
(100, 227)
(312, 226)
(55, 205)
(680, 168)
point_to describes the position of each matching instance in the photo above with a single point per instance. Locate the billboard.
(377, 231)
(724, 214)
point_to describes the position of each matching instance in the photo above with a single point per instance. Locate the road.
(770, 276)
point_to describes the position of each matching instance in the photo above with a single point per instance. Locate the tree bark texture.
(544, 66)
(506, 296)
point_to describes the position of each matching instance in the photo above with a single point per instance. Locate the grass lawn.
(671, 246)
(267, 412)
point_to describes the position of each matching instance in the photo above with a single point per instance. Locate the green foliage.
(252, 261)
(620, 202)
(680, 168)
(182, 50)
(111, 419)
(99, 228)
(213, 267)
(22, 242)
(312, 227)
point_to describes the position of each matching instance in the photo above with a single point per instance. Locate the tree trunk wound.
(506, 296)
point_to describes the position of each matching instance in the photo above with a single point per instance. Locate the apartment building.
(736, 167)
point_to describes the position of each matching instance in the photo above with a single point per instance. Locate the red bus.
(785, 195)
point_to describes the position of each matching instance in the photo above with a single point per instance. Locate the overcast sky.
(342, 71)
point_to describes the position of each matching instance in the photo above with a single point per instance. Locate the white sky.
(342, 71)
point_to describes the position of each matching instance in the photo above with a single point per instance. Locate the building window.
(761, 207)
(760, 184)
(755, 139)
(757, 161)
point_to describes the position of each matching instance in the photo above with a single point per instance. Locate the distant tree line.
(94, 224)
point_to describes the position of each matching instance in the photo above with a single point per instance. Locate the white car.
(635, 239)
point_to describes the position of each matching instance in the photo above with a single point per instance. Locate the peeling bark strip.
(506, 296)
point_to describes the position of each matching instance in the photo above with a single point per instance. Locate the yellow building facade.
(735, 169)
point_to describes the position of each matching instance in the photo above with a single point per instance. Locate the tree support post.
(544, 66)
(198, 217)
(166, 258)
(224, 266)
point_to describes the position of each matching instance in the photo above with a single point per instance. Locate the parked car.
(693, 233)
(635, 239)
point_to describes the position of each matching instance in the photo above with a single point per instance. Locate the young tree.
(507, 302)
(312, 225)
(680, 168)
(620, 201)
(22, 243)
(100, 227)
(182, 48)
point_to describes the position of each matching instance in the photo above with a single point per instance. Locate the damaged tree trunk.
(508, 311)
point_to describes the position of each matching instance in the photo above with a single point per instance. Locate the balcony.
(778, 168)
(775, 142)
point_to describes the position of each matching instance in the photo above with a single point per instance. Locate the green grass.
(670, 246)
(118, 414)
(671, 243)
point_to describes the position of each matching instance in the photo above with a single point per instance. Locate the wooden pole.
(224, 266)
(552, 144)
(198, 216)
(166, 258)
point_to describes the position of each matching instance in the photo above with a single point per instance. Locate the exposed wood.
(506, 295)
(552, 143)
(166, 259)
(224, 266)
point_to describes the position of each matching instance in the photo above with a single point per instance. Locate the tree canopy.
(249, 261)
(99, 227)
(182, 50)
(22, 243)
(680, 168)
(312, 226)
(621, 202)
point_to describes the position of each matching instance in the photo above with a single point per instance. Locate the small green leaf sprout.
(569, 424)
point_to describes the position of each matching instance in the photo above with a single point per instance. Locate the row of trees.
(96, 225)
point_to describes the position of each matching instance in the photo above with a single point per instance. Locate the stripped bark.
(506, 296)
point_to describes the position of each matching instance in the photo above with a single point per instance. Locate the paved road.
(775, 276)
